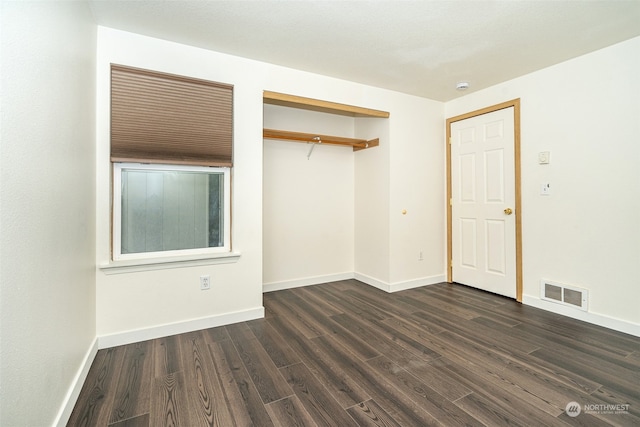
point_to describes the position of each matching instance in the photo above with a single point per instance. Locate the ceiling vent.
(564, 294)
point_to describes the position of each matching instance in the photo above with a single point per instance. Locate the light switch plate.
(544, 157)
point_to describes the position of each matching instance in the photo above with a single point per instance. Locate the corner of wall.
(76, 386)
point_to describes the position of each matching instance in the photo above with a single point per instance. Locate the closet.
(310, 152)
(310, 104)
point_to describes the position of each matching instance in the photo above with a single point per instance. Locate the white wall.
(308, 209)
(315, 210)
(139, 305)
(406, 173)
(47, 164)
(586, 233)
(371, 200)
(382, 256)
(417, 187)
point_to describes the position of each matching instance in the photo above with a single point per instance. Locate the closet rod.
(357, 144)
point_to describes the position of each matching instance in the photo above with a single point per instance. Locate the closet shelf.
(301, 102)
(357, 144)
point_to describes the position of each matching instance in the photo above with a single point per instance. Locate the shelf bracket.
(313, 142)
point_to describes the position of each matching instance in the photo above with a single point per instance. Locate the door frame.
(515, 103)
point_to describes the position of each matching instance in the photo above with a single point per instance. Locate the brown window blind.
(165, 118)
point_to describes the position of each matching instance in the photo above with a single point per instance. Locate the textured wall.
(47, 215)
(149, 299)
(308, 203)
(586, 232)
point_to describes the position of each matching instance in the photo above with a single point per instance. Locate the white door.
(483, 202)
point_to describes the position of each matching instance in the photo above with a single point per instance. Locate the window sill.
(138, 265)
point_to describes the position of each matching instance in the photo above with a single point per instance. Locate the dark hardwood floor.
(346, 354)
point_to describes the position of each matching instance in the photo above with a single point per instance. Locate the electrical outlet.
(205, 283)
(420, 258)
(545, 189)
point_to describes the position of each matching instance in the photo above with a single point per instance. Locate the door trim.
(515, 103)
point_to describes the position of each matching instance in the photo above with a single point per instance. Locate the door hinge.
(449, 140)
(451, 201)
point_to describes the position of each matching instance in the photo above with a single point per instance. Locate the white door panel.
(468, 239)
(468, 183)
(483, 186)
(495, 247)
(494, 182)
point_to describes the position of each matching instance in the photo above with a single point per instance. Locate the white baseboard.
(76, 386)
(387, 287)
(399, 286)
(307, 281)
(128, 337)
(416, 283)
(575, 313)
(372, 282)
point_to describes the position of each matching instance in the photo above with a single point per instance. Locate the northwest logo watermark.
(573, 409)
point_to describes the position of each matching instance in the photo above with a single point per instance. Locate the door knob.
(508, 211)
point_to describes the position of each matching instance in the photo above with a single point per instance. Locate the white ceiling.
(418, 47)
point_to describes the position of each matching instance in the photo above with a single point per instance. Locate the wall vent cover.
(564, 294)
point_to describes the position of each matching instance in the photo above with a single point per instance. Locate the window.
(171, 149)
(162, 210)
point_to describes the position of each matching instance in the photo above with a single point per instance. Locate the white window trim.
(152, 258)
(137, 265)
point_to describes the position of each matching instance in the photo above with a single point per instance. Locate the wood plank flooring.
(346, 354)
